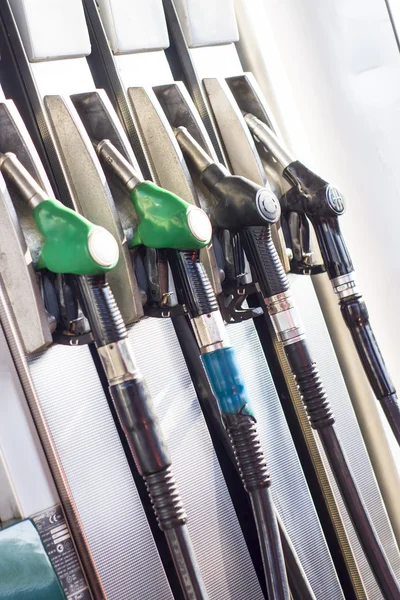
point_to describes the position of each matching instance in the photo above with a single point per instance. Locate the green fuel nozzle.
(72, 244)
(166, 221)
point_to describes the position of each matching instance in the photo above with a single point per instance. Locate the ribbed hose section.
(321, 418)
(193, 285)
(252, 465)
(316, 403)
(165, 499)
(263, 257)
(171, 517)
(242, 431)
(101, 309)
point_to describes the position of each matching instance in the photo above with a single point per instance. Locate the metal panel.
(66, 37)
(207, 23)
(28, 472)
(221, 551)
(95, 470)
(120, 19)
(295, 509)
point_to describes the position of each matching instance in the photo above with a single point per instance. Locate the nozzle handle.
(264, 259)
(167, 221)
(242, 203)
(72, 244)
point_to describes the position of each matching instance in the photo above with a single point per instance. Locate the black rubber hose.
(321, 418)
(369, 541)
(272, 280)
(355, 314)
(252, 466)
(267, 529)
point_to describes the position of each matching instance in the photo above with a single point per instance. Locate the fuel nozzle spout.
(109, 155)
(268, 138)
(15, 172)
(241, 202)
(166, 221)
(72, 244)
(192, 150)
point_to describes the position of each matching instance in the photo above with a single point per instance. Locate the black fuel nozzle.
(322, 203)
(241, 206)
(312, 196)
(240, 202)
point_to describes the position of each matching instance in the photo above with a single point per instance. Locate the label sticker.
(56, 538)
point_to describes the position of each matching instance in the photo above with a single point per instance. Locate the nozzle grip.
(165, 220)
(263, 257)
(193, 286)
(333, 248)
(304, 369)
(66, 240)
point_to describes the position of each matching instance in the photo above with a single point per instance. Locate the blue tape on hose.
(226, 381)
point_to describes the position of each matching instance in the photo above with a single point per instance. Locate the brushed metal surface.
(30, 486)
(348, 431)
(155, 129)
(296, 510)
(101, 122)
(18, 274)
(220, 548)
(93, 465)
(235, 134)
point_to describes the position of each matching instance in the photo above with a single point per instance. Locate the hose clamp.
(210, 332)
(345, 285)
(285, 319)
(118, 363)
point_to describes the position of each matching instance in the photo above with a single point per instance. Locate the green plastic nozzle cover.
(165, 221)
(66, 241)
